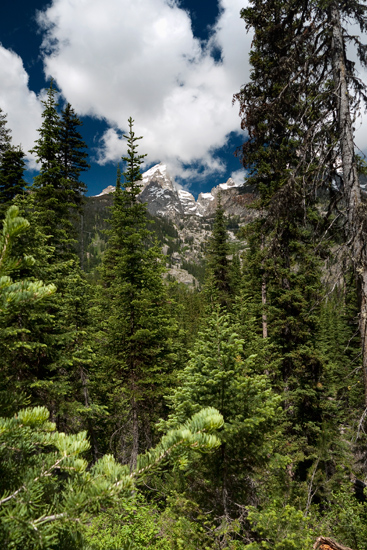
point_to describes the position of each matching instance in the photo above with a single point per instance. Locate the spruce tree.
(45, 347)
(61, 156)
(218, 267)
(5, 139)
(291, 157)
(73, 157)
(138, 347)
(48, 186)
(301, 136)
(221, 373)
(12, 167)
(11, 176)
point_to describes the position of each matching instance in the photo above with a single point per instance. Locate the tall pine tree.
(138, 348)
(290, 156)
(12, 168)
(218, 288)
(5, 139)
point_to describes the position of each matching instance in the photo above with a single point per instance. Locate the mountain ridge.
(165, 198)
(182, 224)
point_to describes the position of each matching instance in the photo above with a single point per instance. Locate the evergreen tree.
(73, 157)
(220, 373)
(45, 346)
(50, 348)
(349, 91)
(48, 186)
(218, 273)
(5, 139)
(302, 134)
(12, 167)
(46, 486)
(138, 347)
(11, 176)
(11, 292)
(60, 153)
(291, 156)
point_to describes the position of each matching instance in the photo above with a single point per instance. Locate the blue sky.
(172, 65)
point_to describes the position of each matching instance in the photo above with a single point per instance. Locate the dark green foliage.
(12, 167)
(61, 156)
(219, 373)
(277, 352)
(5, 139)
(218, 272)
(290, 155)
(47, 147)
(45, 349)
(138, 345)
(73, 157)
(11, 176)
(196, 269)
(73, 160)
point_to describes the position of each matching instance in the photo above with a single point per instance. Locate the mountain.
(165, 198)
(181, 223)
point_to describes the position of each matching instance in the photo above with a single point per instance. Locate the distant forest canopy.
(139, 412)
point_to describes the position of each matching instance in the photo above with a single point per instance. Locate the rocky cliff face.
(190, 220)
(164, 198)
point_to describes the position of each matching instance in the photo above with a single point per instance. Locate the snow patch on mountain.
(164, 198)
(106, 191)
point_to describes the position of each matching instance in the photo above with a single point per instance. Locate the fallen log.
(326, 543)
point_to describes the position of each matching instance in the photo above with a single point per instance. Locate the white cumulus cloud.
(121, 58)
(22, 106)
(239, 176)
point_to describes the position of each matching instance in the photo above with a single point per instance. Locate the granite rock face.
(191, 219)
(164, 198)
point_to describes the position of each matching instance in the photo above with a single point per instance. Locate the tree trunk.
(352, 191)
(82, 242)
(83, 379)
(135, 435)
(326, 543)
(263, 297)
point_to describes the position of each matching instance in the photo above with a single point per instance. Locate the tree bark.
(352, 192)
(263, 297)
(82, 242)
(83, 380)
(326, 543)
(135, 435)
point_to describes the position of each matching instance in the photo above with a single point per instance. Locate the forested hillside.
(139, 412)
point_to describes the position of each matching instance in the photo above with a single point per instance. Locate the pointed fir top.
(132, 173)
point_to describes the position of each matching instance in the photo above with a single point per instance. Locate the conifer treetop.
(132, 174)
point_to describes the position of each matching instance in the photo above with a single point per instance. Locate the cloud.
(120, 58)
(239, 176)
(22, 106)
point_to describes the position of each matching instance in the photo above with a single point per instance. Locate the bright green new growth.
(46, 487)
(44, 482)
(221, 375)
(12, 293)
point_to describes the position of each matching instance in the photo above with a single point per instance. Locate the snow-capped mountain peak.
(106, 191)
(164, 198)
(159, 173)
